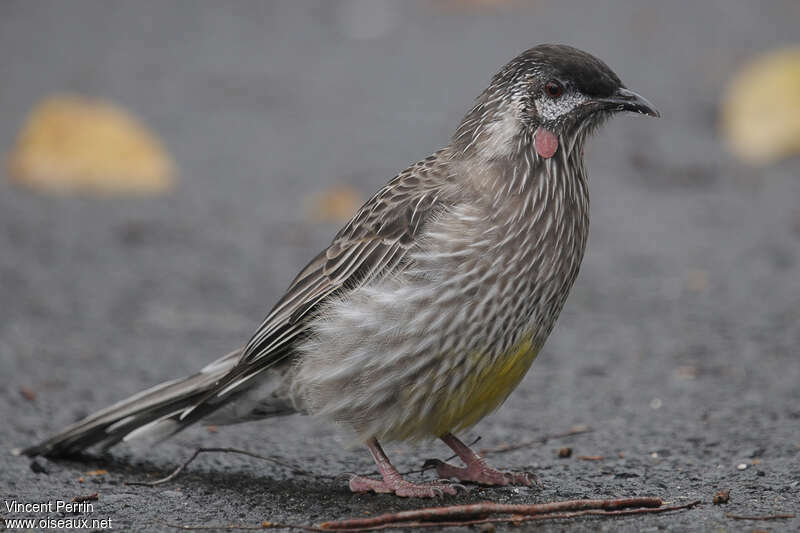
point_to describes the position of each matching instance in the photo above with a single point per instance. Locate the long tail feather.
(153, 413)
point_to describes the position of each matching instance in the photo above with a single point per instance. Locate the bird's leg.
(393, 482)
(476, 470)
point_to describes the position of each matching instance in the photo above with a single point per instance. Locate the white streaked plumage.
(429, 306)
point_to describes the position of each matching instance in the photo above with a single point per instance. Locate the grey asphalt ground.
(678, 346)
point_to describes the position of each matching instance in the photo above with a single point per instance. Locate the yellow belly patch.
(485, 390)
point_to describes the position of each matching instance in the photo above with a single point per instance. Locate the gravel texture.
(678, 346)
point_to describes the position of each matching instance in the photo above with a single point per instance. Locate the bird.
(430, 305)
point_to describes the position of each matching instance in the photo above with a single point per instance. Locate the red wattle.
(546, 142)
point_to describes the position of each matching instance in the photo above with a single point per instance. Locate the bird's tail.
(155, 413)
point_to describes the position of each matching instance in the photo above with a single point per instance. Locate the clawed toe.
(403, 488)
(367, 484)
(520, 478)
(480, 474)
(475, 470)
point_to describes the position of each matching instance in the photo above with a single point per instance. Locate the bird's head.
(545, 98)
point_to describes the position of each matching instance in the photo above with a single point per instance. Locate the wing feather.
(375, 243)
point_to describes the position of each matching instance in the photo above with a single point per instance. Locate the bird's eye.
(553, 89)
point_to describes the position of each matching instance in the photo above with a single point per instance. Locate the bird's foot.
(402, 488)
(481, 473)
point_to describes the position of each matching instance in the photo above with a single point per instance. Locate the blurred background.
(169, 167)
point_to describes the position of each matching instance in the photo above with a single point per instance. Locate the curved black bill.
(626, 100)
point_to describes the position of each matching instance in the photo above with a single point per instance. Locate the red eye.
(553, 89)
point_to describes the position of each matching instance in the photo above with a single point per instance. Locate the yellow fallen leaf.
(337, 204)
(75, 144)
(761, 108)
(100, 472)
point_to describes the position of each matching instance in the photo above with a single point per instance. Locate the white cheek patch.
(553, 108)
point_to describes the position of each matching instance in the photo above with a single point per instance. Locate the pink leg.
(393, 482)
(477, 471)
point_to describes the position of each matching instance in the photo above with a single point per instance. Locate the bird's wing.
(373, 244)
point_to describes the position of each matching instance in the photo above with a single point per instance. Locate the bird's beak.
(626, 100)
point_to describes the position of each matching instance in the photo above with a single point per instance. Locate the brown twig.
(577, 430)
(547, 516)
(519, 519)
(424, 518)
(197, 452)
(481, 510)
(762, 517)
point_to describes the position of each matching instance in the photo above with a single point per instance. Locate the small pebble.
(741, 466)
(655, 403)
